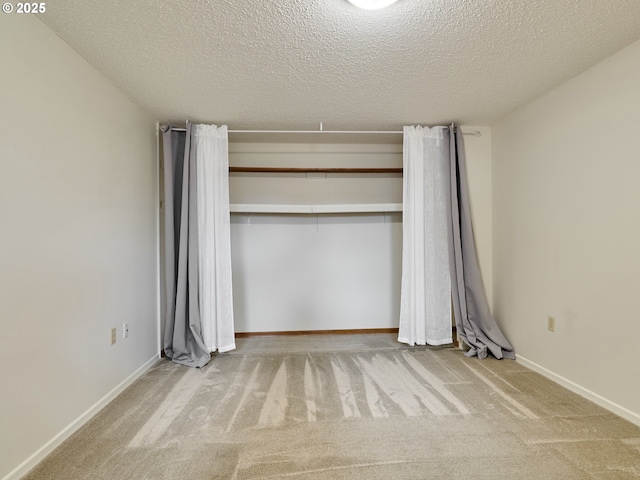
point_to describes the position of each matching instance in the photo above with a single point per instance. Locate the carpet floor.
(346, 407)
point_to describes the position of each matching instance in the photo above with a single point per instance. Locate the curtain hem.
(433, 343)
(227, 348)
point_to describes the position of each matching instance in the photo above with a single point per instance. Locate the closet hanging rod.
(475, 133)
(376, 132)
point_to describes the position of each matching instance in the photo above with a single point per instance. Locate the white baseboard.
(583, 392)
(22, 469)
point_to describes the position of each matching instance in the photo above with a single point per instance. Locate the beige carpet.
(347, 407)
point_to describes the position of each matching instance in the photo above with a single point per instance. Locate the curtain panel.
(475, 324)
(425, 296)
(199, 305)
(440, 269)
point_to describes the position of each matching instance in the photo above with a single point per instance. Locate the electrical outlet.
(113, 335)
(551, 324)
(125, 330)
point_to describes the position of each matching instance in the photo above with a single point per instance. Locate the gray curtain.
(182, 340)
(475, 324)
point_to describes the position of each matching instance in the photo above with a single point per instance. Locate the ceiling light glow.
(372, 4)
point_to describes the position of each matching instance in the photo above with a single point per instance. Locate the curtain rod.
(475, 133)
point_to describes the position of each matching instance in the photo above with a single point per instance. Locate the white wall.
(566, 231)
(316, 272)
(479, 168)
(78, 241)
(331, 272)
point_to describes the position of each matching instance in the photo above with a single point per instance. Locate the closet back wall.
(295, 272)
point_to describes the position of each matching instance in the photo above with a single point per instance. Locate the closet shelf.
(315, 209)
(312, 170)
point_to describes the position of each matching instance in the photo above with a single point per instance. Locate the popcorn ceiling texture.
(290, 64)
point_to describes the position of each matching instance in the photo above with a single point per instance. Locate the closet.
(316, 232)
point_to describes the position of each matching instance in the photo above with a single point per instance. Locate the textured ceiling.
(290, 64)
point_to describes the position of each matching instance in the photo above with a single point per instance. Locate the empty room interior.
(312, 369)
